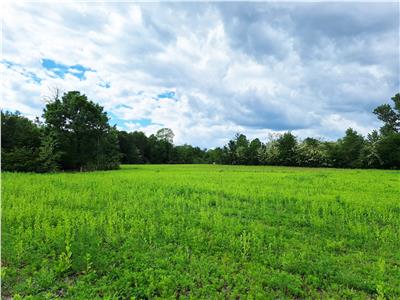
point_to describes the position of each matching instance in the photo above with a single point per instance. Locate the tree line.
(75, 134)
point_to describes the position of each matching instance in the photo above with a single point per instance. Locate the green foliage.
(129, 149)
(312, 153)
(286, 146)
(83, 137)
(165, 134)
(160, 150)
(388, 149)
(387, 146)
(349, 150)
(253, 152)
(187, 154)
(389, 116)
(201, 232)
(76, 136)
(22, 159)
(49, 156)
(20, 142)
(370, 154)
(64, 263)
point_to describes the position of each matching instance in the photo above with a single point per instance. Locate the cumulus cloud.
(208, 70)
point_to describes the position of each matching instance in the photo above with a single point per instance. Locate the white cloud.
(249, 67)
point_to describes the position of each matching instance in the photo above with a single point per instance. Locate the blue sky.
(208, 70)
(59, 69)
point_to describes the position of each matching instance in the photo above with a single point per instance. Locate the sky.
(207, 70)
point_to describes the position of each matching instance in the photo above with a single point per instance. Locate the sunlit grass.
(201, 231)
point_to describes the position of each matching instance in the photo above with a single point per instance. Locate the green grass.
(201, 231)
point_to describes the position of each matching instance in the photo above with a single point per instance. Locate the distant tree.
(286, 146)
(165, 134)
(140, 141)
(49, 155)
(230, 150)
(237, 150)
(370, 156)
(253, 152)
(82, 133)
(269, 155)
(389, 116)
(187, 154)
(241, 151)
(216, 155)
(389, 150)
(130, 154)
(333, 153)
(312, 153)
(161, 150)
(349, 149)
(20, 143)
(384, 150)
(108, 156)
(76, 136)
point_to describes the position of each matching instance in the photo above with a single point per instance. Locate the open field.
(202, 231)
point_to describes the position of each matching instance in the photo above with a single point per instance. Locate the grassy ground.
(201, 231)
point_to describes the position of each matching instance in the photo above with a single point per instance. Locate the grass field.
(202, 231)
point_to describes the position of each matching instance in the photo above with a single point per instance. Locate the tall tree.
(130, 154)
(140, 141)
(81, 130)
(389, 116)
(237, 149)
(287, 149)
(389, 150)
(370, 156)
(311, 153)
(20, 143)
(350, 147)
(253, 152)
(388, 144)
(165, 134)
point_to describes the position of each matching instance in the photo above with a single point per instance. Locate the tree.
(253, 152)
(312, 153)
(82, 133)
(385, 149)
(20, 143)
(216, 156)
(130, 154)
(76, 136)
(389, 150)
(349, 151)
(287, 149)
(108, 156)
(237, 150)
(165, 134)
(242, 146)
(160, 149)
(389, 116)
(187, 154)
(370, 156)
(141, 143)
(48, 154)
(268, 153)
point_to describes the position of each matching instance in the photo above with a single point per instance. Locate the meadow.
(202, 232)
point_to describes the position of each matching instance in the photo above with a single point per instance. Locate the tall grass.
(201, 231)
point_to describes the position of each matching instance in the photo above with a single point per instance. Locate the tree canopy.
(84, 139)
(76, 135)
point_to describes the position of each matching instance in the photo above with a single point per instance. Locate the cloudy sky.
(207, 70)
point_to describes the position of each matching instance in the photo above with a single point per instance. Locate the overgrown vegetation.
(76, 136)
(202, 232)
